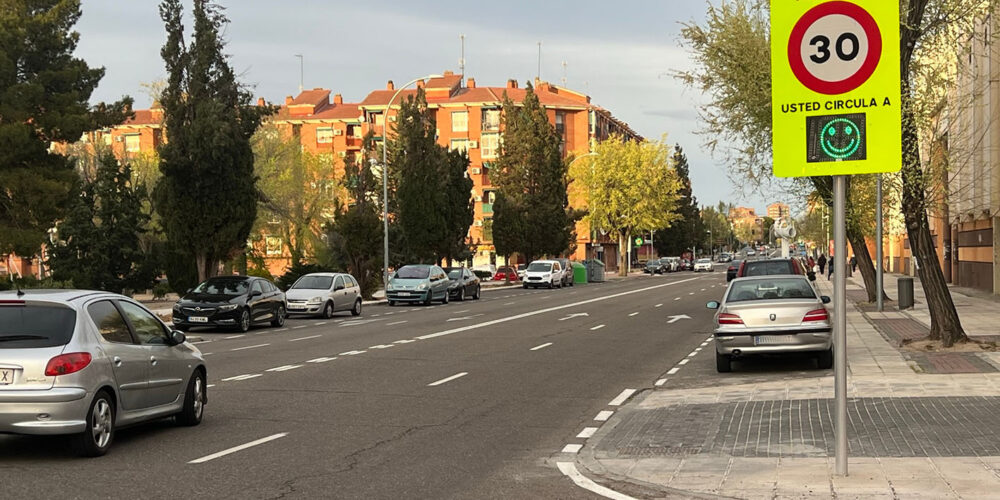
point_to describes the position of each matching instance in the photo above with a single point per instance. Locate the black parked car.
(464, 283)
(734, 266)
(654, 266)
(231, 301)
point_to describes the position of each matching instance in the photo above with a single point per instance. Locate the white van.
(547, 273)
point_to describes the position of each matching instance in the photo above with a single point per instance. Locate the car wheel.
(550, 285)
(525, 286)
(479, 292)
(824, 360)
(357, 308)
(444, 300)
(461, 294)
(279, 318)
(100, 431)
(723, 363)
(430, 298)
(194, 401)
(391, 303)
(244, 324)
(328, 310)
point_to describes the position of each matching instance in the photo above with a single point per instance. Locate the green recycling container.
(579, 273)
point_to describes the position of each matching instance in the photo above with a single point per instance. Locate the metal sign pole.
(840, 321)
(879, 239)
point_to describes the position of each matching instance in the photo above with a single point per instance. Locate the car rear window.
(768, 268)
(35, 325)
(770, 289)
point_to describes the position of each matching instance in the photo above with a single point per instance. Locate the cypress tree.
(687, 231)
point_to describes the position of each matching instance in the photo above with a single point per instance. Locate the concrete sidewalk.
(912, 433)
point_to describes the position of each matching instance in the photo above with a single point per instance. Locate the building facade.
(778, 210)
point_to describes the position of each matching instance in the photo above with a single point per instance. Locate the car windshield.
(313, 283)
(413, 273)
(767, 268)
(454, 273)
(539, 267)
(704, 261)
(769, 289)
(33, 326)
(224, 286)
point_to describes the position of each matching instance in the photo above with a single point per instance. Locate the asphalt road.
(474, 399)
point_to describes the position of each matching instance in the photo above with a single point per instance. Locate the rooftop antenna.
(564, 73)
(302, 71)
(461, 60)
(538, 74)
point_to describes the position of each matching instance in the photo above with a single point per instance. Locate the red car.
(504, 273)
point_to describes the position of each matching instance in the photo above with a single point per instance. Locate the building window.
(132, 143)
(491, 119)
(488, 229)
(489, 197)
(459, 145)
(324, 135)
(354, 131)
(460, 121)
(560, 123)
(489, 145)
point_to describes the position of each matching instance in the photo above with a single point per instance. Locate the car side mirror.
(256, 293)
(712, 305)
(176, 337)
(825, 299)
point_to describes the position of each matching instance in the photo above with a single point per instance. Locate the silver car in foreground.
(771, 315)
(86, 363)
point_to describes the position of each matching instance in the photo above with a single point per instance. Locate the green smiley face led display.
(840, 138)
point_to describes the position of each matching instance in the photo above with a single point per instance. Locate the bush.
(161, 290)
(30, 282)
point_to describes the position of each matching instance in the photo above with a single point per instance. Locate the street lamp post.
(711, 244)
(385, 182)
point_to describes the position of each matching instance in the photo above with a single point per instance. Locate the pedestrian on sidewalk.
(854, 264)
(822, 263)
(829, 275)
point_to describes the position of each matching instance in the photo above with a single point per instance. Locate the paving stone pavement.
(921, 426)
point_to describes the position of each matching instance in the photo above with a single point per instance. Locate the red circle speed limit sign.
(834, 48)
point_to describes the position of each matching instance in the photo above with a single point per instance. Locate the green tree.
(44, 95)
(531, 216)
(716, 222)
(684, 233)
(207, 197)
(459, 207)
(99, 244)
(629, 187)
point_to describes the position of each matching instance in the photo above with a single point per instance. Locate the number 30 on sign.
(835, 87)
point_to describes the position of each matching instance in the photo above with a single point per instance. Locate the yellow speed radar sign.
(835, 97)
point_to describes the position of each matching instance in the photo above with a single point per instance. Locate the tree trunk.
(945, 323)
(622, 255)
(200, 260)
(865, 264)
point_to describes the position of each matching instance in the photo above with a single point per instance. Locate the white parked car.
(547, 273)
(704, 265)
(323, 294)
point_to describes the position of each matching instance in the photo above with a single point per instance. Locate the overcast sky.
(621, 56)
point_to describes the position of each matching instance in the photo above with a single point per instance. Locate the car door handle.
(152, 360)
(117, 361)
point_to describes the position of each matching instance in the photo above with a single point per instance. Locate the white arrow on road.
(674, 319)
(574, 315)
(464, 318)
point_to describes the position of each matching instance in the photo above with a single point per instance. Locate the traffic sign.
(835, 87)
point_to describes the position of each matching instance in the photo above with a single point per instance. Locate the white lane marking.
(509, 304)
(660, 382)
(278, 330)
(572, 448)
(598, 327)
(321, 360)
(463, 318)
(690, 293)
(658, 305)
(247, 376)
(673, 370)
(352, 353)
(587, 432)
(604, 415)
(249, 347)
(693, 353)
(569, 470)
(705, 343)
(381, 346)
(633, 314)
(300, 326)
(548, 310)
(462, 311)
(449, 379)
(206, 354)
(404, 341)
(703, 289)
(544, 296)
(696, 350)
(396, 323)
(627, 393)
(238, 448)
(319, 323)
(543, 346)
(235, 337)
(574, 315)
(284, 368)
(684, 361)
(201, 342)
(304, 338)
(375, 315)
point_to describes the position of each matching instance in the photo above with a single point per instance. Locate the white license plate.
(198, 319)
(773, 339)
(404, 294)
(6, 376)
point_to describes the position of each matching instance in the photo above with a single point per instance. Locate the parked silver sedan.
(771, 315)
(85, 363)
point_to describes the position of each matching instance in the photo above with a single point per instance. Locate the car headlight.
(315, 300)
(228, 307)
(422, 286)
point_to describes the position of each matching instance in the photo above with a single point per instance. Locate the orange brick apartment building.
(467, 116)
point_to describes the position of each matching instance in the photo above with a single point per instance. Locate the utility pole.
(302, 72)
(538, 73)
(878, 238)
(461, 60)
(564, 73)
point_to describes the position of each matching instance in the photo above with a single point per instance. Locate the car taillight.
(816, 315)
(65, 364)
(730, 319)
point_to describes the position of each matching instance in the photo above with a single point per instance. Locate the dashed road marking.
(684, 361)
(633, 314)
(305, 338)
(321, 360)
(673, 370)
(627, 393)
(249, 347)
(660, 382)
(396, 323)
(572, 448)
(543, 346)
(238, 448)
(678, 298)
(300, 326)
(598, 327)
(658, 305)
(284, 368)
(352, 353)
(319, 323)
(510, 303)
(235, 337)
(246, 376)
(404, 341)
(604, 415)
(448, 379)
(587, 432)
(381, 346)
